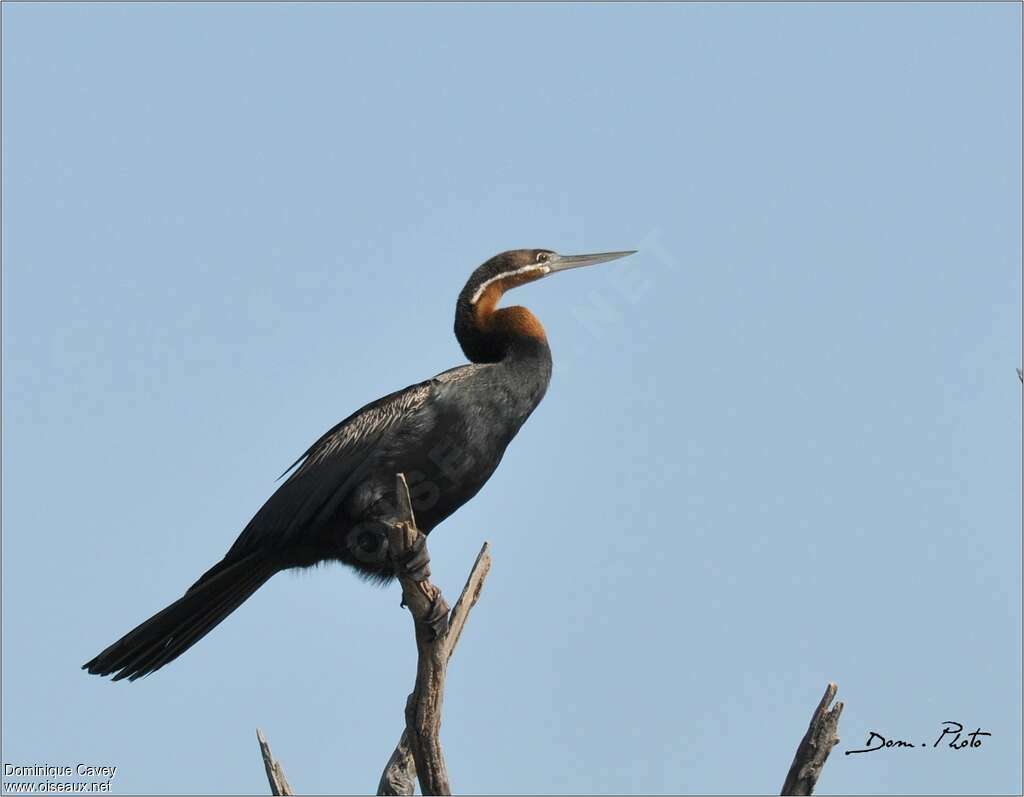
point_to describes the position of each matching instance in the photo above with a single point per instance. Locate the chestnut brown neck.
(488, 334)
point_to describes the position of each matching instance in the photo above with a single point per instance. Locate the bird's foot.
(437, 619)
(414, 563)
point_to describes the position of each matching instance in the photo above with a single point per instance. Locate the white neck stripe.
(503, 275)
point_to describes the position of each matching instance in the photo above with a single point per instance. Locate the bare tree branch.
(815, 746)
(278, 782)
(470, 595)
(399, 776)
(432, 624)
(427, 606)
(418, 752)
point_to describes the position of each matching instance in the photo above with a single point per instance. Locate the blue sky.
(781, 445)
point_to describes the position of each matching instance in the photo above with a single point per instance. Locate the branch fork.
(418, 753)
(419, 750)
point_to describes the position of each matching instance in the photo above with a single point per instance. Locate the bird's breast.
(447, 455)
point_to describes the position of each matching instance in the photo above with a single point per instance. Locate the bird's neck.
(488, 334)
(513, 340)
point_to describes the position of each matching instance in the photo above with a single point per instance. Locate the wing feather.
(328, 469)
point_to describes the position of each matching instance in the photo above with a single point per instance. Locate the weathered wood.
(418, 753)
(470, 595)
(814, 748)
(399, 777)
(423, 708)
(437, 633)
(275, 774)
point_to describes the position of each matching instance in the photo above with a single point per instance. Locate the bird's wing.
(327, 471)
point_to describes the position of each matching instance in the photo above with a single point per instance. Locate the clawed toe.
(437, 619)
(415, 562)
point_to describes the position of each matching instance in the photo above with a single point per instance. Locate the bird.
(447, 435)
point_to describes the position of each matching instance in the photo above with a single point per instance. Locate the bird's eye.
(542, 257)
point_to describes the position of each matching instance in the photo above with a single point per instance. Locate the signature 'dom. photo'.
(952, 737)
(511, 398)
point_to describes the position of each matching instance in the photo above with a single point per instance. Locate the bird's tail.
(169, 633)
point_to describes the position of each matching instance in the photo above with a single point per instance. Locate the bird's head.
(520, 266)
(482, 329)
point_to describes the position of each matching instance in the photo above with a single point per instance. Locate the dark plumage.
(447, 435)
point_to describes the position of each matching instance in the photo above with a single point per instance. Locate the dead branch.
(815, 746)
(399, 777)
(418, 752)
(275, 774)
(429, 610)
(470, 595)
(436, 634)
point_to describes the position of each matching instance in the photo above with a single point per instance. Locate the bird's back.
(447, 435)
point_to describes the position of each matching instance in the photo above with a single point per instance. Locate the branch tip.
(814, 748)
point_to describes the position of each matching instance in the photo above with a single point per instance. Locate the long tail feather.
(172, 631)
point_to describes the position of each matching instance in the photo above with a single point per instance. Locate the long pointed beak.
(564, 262)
